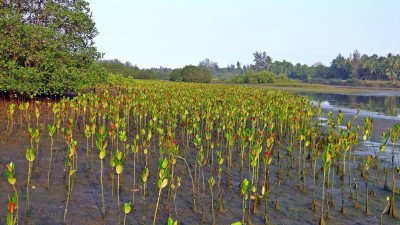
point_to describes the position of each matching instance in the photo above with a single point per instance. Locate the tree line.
(127, 69)
(353, 68)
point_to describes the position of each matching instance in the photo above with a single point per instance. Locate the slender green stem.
(27, 187)
(51, 157)
(102, 192)
(158, 200)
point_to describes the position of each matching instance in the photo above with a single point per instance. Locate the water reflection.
(387, 105)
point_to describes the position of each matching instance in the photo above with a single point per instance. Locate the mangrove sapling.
(326, 158)
(386, 207)
(101, 145)
(211, 183)
(143, 181)
(201, 162)
(382, 148)
(394, 136)
(307, 142)
(30, 156)
(220, 202)
(111, 133)
(174, 188)
(87, 133)
(316, 152)
(301, 138)
(52, 131)
(193, 187)
(269, 145)
(367, 166)
(267, 160)
(92, 125)
(245, 143)
(70, 162)
(171, 221)
(289, 155)
(135, 149)
(172, 151)
(13, 202)
(37, 139)
(119, 163)
(10, 116)
(127, 209)
(245, 187)
(162, 182)
(254, 154)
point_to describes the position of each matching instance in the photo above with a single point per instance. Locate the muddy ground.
(47, 206)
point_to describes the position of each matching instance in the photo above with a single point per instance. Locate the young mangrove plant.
(326, 158)
(211, 183)
(386, 207)
(143, 181)
(220, 202)
(10, 116)
(201, 161)
(171, 221)
(245, 187)
(13, 202)
(162, 181)
(101, 145)
(127, 209)
(316, 152)
(52, 131)
(119, 165)
(367, 166)
(135, 149)
(174, 187)
(87, 134)
(394, 136)
(30, 156)
(70, 163)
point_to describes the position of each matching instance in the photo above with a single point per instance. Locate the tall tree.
(47, 45)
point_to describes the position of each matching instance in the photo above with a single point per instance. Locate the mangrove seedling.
(119, 165)
(245, 187)
(127, 209)
(394, 136)
(101, 145)
(52, 131)
(220, 202)
(10, 113)
(10, 173)
(162, 182)
(70, 164)
(386, 207)
(211, 183)
(143, 180)
(171, 221)
(135, 149)
(30, 156)
(12, 204)
(367, 166)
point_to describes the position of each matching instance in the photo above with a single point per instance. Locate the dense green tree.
(127, 69)
(191, 74)
(47, 46)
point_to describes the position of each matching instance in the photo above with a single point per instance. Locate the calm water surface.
(382, 107)
(385, 105)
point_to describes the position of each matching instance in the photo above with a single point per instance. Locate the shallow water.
(382, 107)
(379, 103)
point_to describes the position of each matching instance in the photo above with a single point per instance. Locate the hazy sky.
(175, 33)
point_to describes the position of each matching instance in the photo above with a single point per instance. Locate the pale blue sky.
(175, 33)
